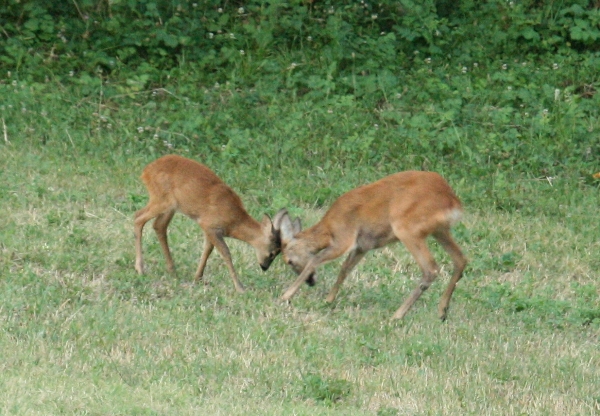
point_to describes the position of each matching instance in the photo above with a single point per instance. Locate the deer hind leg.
(216, 239)
(208, 249)
(160, 225)
(141, 217)
(445, 239)
(418, 248)
(351, 261)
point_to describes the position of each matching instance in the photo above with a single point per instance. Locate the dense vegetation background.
(474, 88)
(293, 103)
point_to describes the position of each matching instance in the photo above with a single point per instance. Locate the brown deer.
(406, 206)
(175, 183)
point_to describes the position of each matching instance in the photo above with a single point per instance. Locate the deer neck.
(247, 229)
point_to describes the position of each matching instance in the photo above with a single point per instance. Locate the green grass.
(82, 333)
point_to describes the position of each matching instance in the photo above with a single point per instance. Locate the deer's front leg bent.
(306, 275)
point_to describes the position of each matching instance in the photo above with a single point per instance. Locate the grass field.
(82, 333)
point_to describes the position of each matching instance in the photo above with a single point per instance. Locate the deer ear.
(287, 229)
(278, 217)
(297, 225)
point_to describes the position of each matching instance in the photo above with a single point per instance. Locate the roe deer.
(406, 206)
(175, 183)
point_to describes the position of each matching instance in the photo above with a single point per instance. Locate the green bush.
(489, 89)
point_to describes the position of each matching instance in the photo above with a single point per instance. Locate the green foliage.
(479, 87)
(252, 40)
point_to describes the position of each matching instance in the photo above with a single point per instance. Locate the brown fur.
(175, 183)
(406, 206)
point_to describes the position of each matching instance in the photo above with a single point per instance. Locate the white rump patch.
(453, 216)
